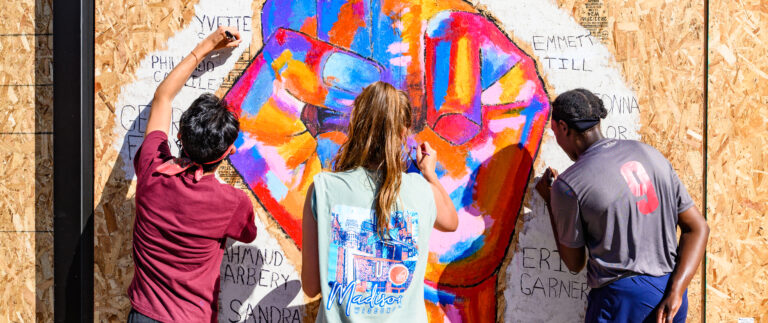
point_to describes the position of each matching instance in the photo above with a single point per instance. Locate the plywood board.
(737, 173)
(644, 58)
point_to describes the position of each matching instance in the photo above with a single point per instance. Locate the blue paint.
(462, 195)
(275, 186)
(326, 150)
(438, 296)
(442, 71)
(530, 113)
(385, 34)
(361, 43)
(439, 24)
(327, 16)
(260, 91)
(336, 100)
(495, 63)
(349, 73)
(463, 249)
(275, 15)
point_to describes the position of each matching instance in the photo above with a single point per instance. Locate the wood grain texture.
(737, 187)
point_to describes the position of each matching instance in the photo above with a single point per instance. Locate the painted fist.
(477, 99)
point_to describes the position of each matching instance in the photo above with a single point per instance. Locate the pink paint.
(452, 313)
(492, 95)
(275, 162)
(400, 61)
(450, 183)
(397, 48)
(470, 227)
(286, 102)
(485, 151)
(526, 92)
(499, 125)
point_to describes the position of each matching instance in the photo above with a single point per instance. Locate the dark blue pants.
(630, 299)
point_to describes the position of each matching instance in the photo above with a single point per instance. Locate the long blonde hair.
(380, 117)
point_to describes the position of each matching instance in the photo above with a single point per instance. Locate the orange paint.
(310, 27)
(336, 136)
(451, 157)
(343, 31)
(271, 125)
(299, 79)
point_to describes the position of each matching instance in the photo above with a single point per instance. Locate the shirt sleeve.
(242, 226)
(565, 212)
(153, 151)
(683, 200)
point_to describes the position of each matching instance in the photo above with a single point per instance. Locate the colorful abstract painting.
(476, 97)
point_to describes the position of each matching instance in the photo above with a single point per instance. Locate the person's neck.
(588, 138)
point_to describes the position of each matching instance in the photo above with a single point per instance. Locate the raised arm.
(693, 241)
(160, 113)
(447, 220)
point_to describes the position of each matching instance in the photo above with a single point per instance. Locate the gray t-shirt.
(365, 278)
(621, 200)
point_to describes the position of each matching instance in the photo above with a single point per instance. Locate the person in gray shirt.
(621, 201)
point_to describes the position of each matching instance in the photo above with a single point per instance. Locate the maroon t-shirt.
(179, 235)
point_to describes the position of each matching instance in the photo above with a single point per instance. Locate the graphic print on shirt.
(641, 186)
(367, 274)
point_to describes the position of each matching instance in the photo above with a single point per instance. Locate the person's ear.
(178, 135)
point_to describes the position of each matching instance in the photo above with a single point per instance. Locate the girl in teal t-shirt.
(369, 267)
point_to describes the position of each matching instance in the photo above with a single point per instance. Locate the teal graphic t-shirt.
(363, 277)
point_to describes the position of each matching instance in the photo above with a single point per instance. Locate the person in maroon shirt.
(183, 214)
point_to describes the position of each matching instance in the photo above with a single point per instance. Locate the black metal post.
(73, 28)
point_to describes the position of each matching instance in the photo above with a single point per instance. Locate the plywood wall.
(660, 47)
(125, 31)
(737, 174)
(26, 209)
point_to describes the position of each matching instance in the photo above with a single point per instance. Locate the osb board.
(659, 47)
(737, 175)
(651, 57)
(27, 59)
(26, 16)
(26, 259)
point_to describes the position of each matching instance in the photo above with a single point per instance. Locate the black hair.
(579, 108)
(207, 130)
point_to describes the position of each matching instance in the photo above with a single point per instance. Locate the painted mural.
(477, 98)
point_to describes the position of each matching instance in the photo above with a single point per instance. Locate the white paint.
(134, 98)
(248, 299)
(534, 21)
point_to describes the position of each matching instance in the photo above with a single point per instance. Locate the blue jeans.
(630, 299)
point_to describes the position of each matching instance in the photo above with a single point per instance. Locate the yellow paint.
(299, 79)
(512, 82)
(298, 151)
(463, 73)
